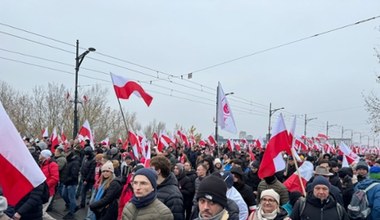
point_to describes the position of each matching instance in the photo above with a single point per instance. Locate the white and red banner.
(45, 132)
(273, 161)
(183, 138)
(293, 183)
(19, 172)
(124, 88)
(54, 140)
(86, 133)
(212, 141)
(106, 141)
(225, 118)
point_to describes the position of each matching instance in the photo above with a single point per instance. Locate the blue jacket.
(373, 196)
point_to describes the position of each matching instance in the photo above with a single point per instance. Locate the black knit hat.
(362, 165)
(150, 174)
(214, 189)
(320, 180)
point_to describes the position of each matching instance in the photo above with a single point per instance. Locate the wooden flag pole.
(299, 175)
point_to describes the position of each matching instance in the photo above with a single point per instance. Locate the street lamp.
(329, 126)
(78, 62)
(216, 119)
(271, 112)
(306, 121)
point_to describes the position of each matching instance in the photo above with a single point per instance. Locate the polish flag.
(348, 152)
(237, 145)
(86, 133)
(120, 140)
(257, 144)
(293, 182)
(183, 138)
(125, 87)
(19, 172)
(54, 140)
(135, 143)
(155, 138)
(63, 137)
(292, 139)
(322, 136)
(272, 159)
(212, 140)
(125, 144)
(147, 157)
(225, 118)
(202, 143)
(106, 141)
(230, 145)
(45, 132)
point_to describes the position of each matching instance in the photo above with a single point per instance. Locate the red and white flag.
(63, 137)
(348, 152)
(183, 138)
(45, 132)
(212, 140)
(19, 172)
(273, 161)
(293, 182)
(86, 133)
(135, 143)
(125, 87)
(54, 140)
(225, 118)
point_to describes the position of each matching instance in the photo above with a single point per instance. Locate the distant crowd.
(184, 183)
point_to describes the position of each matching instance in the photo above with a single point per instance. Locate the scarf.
(100, 192)
(144, 201)
(220, 215)
(260, 215)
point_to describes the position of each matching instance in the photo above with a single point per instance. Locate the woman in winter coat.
(105, 202)
(144, 204)
(269, 207)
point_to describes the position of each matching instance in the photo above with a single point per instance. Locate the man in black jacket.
(187, 188)
(87, 173)
(70, 181)
(167, 187)
(30, 206)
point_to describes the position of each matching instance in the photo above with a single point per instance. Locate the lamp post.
(306, 121)
(78, 62)
(217, 114)
(329, 126)
(271, 112)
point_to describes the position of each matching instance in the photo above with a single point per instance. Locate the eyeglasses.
(264, 200)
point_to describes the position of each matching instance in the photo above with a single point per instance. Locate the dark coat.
(315, 209)
(334, 191)
(252, 180)
(247, 194)
(192, 175)
(71, 172)
(30, 206)
(107, 207)
(335, 181)
(169, 194)
(187, 189)
(87, 170)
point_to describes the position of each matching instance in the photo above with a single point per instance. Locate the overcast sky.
(324, 77)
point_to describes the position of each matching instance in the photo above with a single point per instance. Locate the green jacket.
(154, 211)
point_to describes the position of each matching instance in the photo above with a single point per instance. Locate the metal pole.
(327, 129)
(270, 115)
(75, 130)
(342, 131)
(304, 132)
(216, 119)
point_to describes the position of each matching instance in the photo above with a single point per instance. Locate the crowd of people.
(184, 183)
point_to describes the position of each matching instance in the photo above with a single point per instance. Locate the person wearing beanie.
(372, 193)
(319, 203)
(186, 187)
(144, 203)
(218, 166)
(212, 199)
(361, 170)
(269, 207)
(271, 182)
(50, 170)
(105, 202)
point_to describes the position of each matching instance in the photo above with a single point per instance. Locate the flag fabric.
(225, 118)
(293, 182)
(54, 140)
(272, 159)
(347, 151)
(125, 87)
(155, 138)
(212, 140)
(45, 132)
(183, 138)
(106, 141)
(19, 172)
(63, 137)
(230, 145)
(86, 133)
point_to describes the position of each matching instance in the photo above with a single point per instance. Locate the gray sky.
(324, 76)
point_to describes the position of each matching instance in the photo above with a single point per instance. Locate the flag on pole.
(293, 182)
(19, 172)
(54, 140)
(86, 133)
(125, 87)
(272, 161)
(183, 138)
(63, 137)
(212, 140)
(225, 118)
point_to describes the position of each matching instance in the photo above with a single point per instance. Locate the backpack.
(359, 207)
(45, 193)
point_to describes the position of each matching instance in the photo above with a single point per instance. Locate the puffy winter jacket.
(169, 194)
